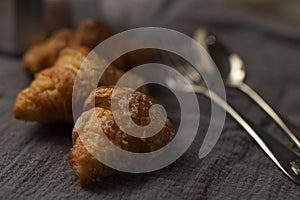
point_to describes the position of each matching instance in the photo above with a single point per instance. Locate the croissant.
(87, 168)
(40, 56)
(49, 97)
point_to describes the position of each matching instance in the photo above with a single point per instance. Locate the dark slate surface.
(33, 157)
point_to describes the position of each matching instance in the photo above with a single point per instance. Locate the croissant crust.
(43, 55)
(85, 166)
(49, 97)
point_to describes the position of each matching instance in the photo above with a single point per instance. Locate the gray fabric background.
(33, 157)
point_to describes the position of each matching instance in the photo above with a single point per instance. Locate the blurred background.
(286, 12)
(265, 33)
(24, 22)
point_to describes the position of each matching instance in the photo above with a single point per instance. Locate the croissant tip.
(19, 107)
(87, 169)
(27, 106)
(17, 112)
(21, 111)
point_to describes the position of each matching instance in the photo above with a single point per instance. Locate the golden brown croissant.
(40, 56)
(86, 167)
(49, 97)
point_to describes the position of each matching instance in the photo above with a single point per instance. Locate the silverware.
(233, 72)
(286, 159)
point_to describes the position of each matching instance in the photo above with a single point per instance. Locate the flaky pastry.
(49, 97)
(87, 168)
(90, 33)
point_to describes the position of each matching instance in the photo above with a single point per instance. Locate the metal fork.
(286, 159)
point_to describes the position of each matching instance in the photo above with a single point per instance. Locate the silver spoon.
(287, 160)
(233, 73)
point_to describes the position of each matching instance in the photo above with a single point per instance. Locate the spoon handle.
(294, 136)
(286, 159)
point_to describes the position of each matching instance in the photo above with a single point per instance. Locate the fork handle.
(294, 136)
(281, 155)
